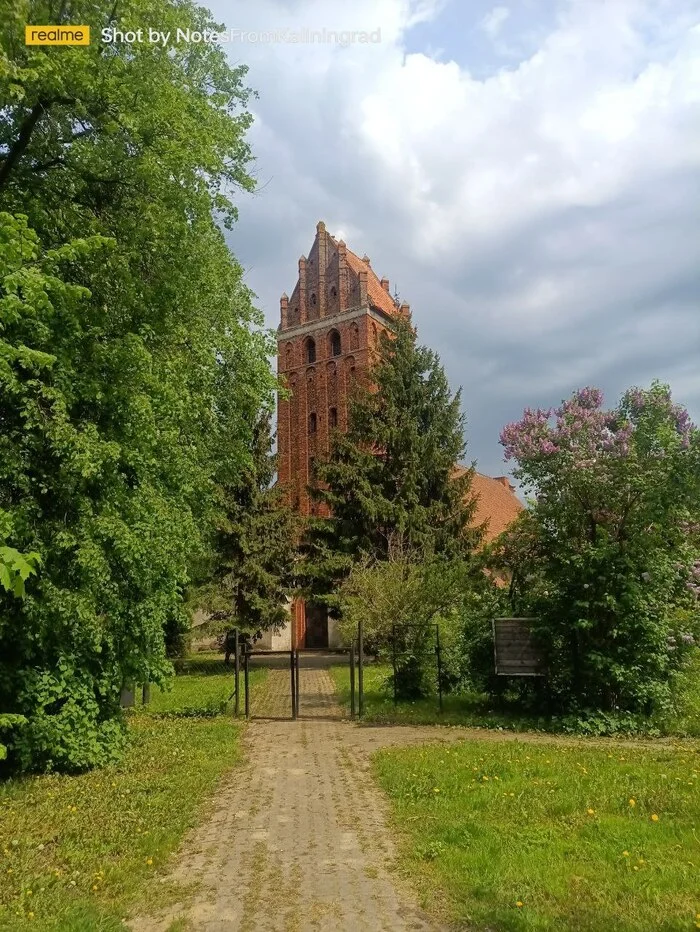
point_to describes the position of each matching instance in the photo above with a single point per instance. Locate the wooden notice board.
(515, 654)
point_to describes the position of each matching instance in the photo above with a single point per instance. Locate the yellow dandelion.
(591, 811)
(654, 818)
(149, 860)
(519, 904)
(625, 854)
(94, 886)
(633, 802)
(30, 915)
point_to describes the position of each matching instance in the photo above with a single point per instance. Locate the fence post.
(393, 662)
(439, 664)
(360, 671)
(296, 678)
(145, 694)
(293, 684)
(352, 679)
(246, 682)
(236, 673)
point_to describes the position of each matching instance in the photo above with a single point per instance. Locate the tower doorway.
(316, 625)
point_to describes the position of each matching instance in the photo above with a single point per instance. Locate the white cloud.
(542, 221)
(494, 20)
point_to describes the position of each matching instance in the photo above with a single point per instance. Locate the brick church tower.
(328, 330)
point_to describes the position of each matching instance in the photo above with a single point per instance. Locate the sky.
(526, 174)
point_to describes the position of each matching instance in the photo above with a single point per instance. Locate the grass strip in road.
(519, 836)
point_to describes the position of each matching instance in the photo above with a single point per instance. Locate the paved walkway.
(312, 851)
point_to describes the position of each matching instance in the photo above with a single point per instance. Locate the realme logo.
(57, 35)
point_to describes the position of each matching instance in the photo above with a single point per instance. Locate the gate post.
(393, 661)
(293, 684)
(352, 679)
(246, 680)
(296, 678)
(360, 671)
(439, 664)
(236, 673)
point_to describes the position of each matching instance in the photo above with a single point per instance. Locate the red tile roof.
(497, 503)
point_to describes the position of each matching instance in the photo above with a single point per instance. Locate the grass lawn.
(77, 853)
(203, 686)
(473, 709)
(517, 835)
(457, 709)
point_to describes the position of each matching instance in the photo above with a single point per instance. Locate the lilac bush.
(608, 554)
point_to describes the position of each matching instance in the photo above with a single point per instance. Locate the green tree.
(392, 474)
(132, 362)
(400, 600)
(607, 557)
(251, 568)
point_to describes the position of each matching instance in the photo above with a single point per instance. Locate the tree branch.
(25, 134)
(19, 147)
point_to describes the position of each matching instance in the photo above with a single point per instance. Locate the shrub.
(607, 555)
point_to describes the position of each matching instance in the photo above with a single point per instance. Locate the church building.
(329, 328)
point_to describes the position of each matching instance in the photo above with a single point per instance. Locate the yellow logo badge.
(57, 35)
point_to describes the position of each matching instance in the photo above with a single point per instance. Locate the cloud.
(494, 20)
(541, 219)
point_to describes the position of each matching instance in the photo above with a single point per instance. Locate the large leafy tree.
(251, 567)
(391, 476)
(607, 555)
(132, 364)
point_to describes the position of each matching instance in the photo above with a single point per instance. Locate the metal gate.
(242, 659)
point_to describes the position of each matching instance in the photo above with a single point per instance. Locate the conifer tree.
(391, 476)
(255, 545)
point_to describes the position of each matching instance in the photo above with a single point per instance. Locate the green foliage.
(683, 715)
(391, 476)
(7, 723)
(250, 572)
(415, 592)
(606, 556)
(132, 365)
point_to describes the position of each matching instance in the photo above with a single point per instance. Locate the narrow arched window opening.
(312, 423)
(335, 343)
(310, 350)
(333, 417)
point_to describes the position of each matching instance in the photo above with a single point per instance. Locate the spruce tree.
(391, 477)
(255, 545)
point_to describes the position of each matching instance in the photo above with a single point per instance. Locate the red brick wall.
(327, 288)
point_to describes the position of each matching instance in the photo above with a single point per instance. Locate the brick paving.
(311, 850)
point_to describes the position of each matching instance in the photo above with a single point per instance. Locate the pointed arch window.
(310, 350)
(312, 423)
(333, 417)
(335, 344)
